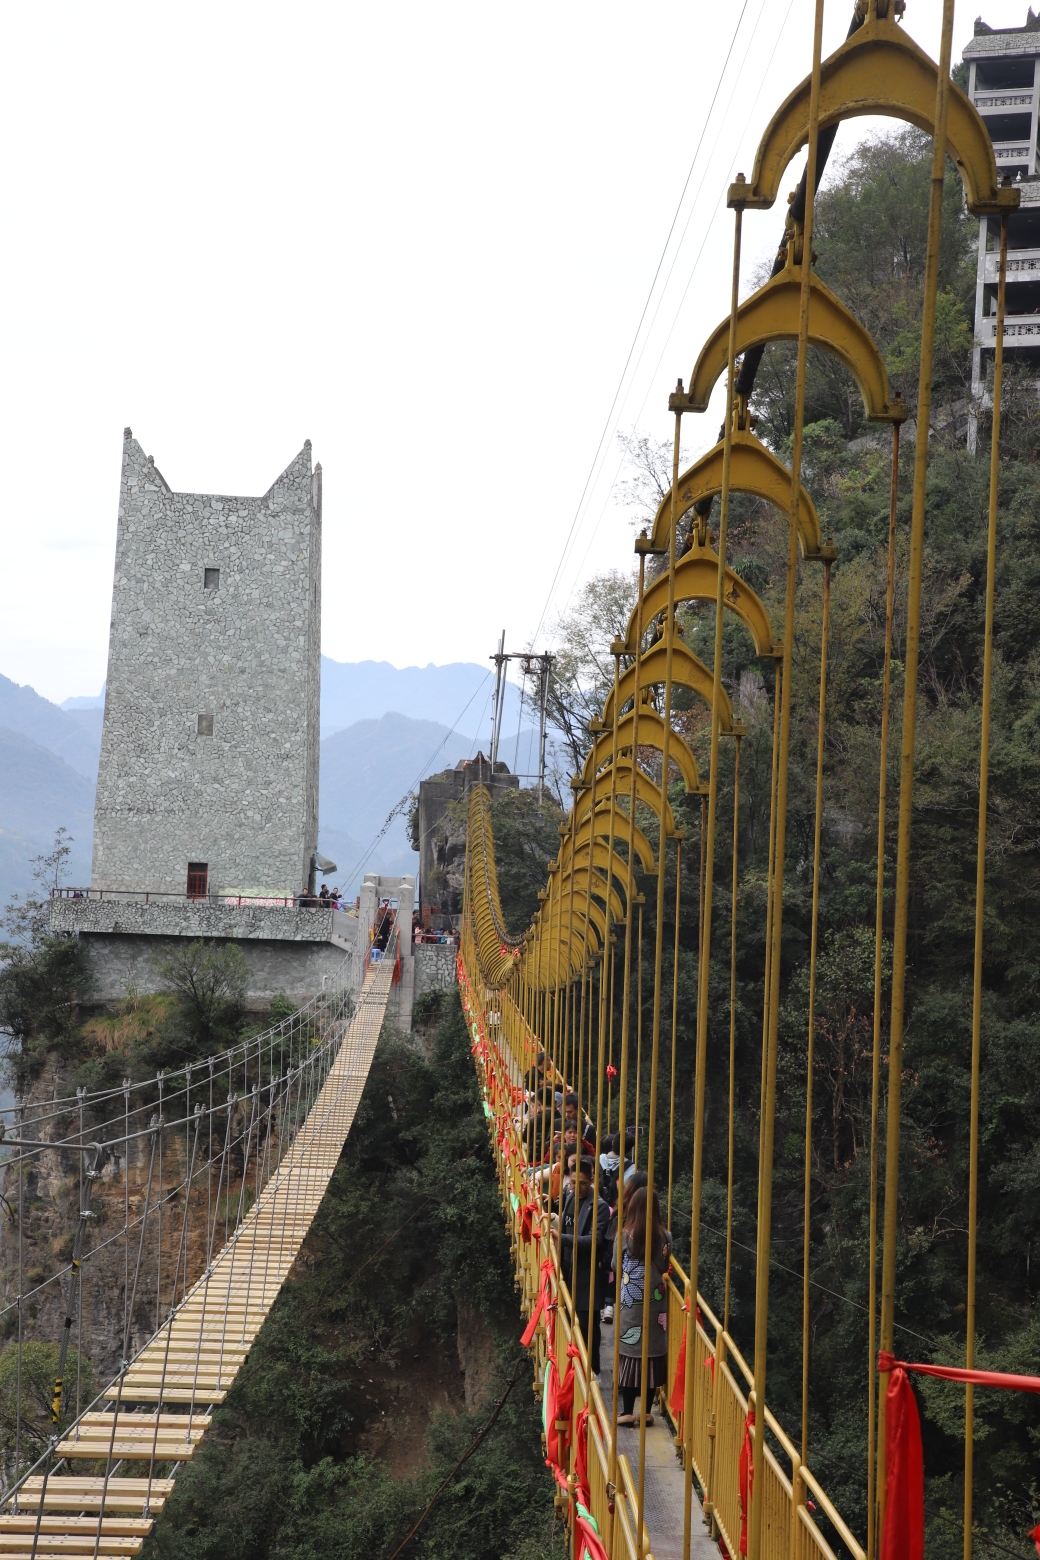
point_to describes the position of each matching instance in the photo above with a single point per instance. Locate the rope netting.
(182, 1200)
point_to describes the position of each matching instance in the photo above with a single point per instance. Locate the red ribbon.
(903, 1535)
(678, 1397)
(559, 1405)
(1035, 1536)
(979, 1378)
(581, 1457)
(746, 1476)
(589, 1541)
(526, 1215)
(543, 1300)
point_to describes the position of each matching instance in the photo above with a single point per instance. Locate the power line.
(642, 317)
(686, 289)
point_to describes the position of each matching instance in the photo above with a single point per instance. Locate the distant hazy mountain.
(459, 693)
(385, 729)
(22, 709)
(38, 793)
(97, 703)
(365, 770)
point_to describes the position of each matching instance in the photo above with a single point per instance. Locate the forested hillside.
(870, 239)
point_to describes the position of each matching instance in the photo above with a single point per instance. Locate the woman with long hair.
(631, 1269)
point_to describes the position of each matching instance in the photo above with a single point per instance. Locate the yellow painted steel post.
(732, 1051)
(875, 1076)
(765, 1206)
(980, 887)
(675, 1025)
(906, 767)
(581, 1053)
(603, 981)
(639, 1027)
(655, 1035)
(704, 952)
(798, 1490)
(626, 1003)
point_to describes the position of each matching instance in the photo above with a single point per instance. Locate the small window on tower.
(211, 579)
(205, 725)
(198, 879)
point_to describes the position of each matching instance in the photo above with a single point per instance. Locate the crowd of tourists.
(582, 1191)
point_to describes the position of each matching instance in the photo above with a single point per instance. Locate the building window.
(211, 579)
(205, 726)
(198, 879)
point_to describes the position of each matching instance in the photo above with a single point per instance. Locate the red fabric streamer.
(581, 1457)
(979, 1378)
(559, 1405)
(589, 1542)
(678, 1397)
(903, 1534)
(1035, 1536)
(746, 1476)
(543, 1300)
(527, 1213)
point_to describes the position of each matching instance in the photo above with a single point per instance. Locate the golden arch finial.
(754, 469)
(771, 314)
(879, 70)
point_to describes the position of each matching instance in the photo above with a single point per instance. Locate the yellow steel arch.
(598, 827)
(646, 791)
(688, 671)
(879, 70)
(602, 891)
(771, 314)
(615, 866)
(651, 734)
(753, 469)
(696, 579)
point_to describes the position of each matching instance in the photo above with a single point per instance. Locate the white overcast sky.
(421, 236)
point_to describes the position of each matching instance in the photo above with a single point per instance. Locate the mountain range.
(383, 729)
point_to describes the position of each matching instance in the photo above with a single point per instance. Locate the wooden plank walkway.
(191, 1362)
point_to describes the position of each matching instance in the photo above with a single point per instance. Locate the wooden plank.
(111, 1527)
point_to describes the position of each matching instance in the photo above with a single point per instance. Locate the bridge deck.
(192, 1361)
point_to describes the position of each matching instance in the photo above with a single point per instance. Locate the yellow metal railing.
(505, 1049)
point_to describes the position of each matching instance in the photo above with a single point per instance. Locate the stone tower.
(208, 781)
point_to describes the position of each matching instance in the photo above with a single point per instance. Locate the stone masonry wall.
(121, 963)
(434, 967)
(242, 654)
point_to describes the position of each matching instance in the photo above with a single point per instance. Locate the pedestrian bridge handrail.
(504, 1051)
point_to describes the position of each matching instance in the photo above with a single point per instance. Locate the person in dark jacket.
(579, 1230)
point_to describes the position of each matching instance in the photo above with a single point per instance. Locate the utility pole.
(501, 661)
(546, 673)
(544, 663)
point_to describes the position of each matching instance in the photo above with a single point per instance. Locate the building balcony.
(1003, 100)
(238, 917)
(1020, 330)
(1012, 153)
(1023, 265)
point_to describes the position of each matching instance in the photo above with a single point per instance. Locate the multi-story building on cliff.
(1004, 84)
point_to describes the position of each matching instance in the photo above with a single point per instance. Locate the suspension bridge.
(218, 1169)
(236, 1154)
(542, 1003)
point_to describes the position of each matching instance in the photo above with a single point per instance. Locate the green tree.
(210, 980)
(44, 975)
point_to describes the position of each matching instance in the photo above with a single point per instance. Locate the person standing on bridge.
(629, 1266)
(578, 1226)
